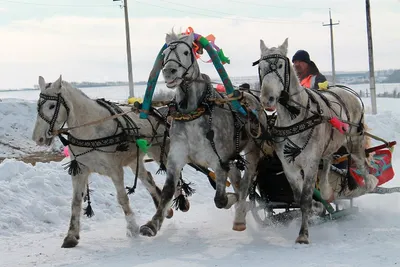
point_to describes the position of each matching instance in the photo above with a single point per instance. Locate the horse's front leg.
(79, 183)
(309, 173)
(239, 223)
(117, 176)
(174, 167)
(222, 199)
(148, 181)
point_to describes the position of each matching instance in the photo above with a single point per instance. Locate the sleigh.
(272, 200)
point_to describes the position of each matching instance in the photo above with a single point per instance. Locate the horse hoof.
(186, 206)
(302, 239)
(170, 213)
(221, 202)
(70, 242)
(239, 227)
(132, 232)
(147, 230)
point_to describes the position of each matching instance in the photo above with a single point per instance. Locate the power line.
(230, 14)
(238, 18)
(55, 5)
(273, 6)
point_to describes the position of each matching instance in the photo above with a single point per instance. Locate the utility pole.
(330, 24)
(128, 47)
(371, 58)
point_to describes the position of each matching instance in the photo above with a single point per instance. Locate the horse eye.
(52, 106)
(186, 53)
(280, 66)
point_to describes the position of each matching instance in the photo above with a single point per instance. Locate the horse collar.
(186, 116)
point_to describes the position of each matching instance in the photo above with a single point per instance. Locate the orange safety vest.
(306, 82)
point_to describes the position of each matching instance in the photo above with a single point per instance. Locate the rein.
(67, 129)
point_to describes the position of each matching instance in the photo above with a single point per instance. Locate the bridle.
(273, 68)
(59, 101)
(172, 46)
(285, 96)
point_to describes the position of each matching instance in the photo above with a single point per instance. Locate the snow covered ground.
(35, 210)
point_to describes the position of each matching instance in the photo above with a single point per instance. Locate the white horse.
(104, 147)
(304, 132)
(205, 133)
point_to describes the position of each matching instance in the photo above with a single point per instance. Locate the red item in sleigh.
(380, 167)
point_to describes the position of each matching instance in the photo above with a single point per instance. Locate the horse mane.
(68, 87)
(175, 36)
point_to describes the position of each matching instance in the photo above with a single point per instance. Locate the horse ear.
(57, 84)
(168, 38)
(263, 47)
(42, 83)
(284, 47)
(190, 39)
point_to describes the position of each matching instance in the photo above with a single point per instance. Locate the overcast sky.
(85, 39)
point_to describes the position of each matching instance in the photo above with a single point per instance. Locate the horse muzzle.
(173, 83)
(269, 103)
(44, 141)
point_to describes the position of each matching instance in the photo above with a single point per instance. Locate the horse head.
(179, 60)
(52, 111)
(273, 71)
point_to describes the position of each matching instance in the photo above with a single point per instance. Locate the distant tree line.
(394, 77)
(394, 94)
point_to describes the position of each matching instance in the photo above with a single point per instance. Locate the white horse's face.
(178, 59)
(52, 112)
(273, 68)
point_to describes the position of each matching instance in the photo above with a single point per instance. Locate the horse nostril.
(173, 71)
(271, 99)
(41, 140)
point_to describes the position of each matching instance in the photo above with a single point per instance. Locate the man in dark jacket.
(308, 72)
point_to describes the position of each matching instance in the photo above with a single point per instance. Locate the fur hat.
(302, 55)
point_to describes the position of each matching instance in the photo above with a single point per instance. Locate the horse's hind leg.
(117, 176)
(79, 183)
(325, 187)
(148, 182)
(357, 150)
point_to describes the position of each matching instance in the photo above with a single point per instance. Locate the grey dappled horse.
(213, 138)
(59, 104)
(303, 132)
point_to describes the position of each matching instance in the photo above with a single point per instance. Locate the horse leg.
(117, 177)
(358, 155)
(239, 223)
(148, 181)
(325, 186)
(309, 174)
(222, 199)
(174, 168)
(235, 176)
(79, 183)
